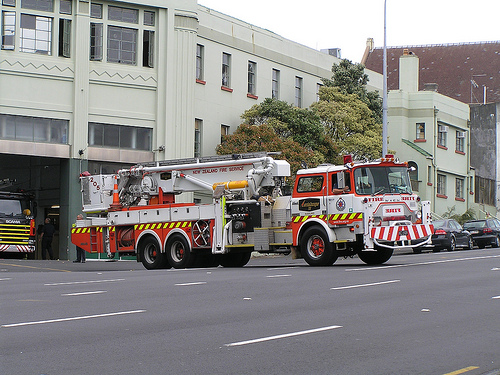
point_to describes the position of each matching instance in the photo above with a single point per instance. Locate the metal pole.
(384, 97)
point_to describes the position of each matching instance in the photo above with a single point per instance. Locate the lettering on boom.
(218, 170)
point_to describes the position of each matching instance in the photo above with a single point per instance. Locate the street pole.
(384, 96)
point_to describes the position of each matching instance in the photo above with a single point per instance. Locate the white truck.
(366, 209)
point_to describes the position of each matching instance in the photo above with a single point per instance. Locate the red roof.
(460, 70)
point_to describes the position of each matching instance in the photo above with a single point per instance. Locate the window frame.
(442, 135)
(298, 91)
(420, 131)
(441, 185)
(200, 62)
(252, 78)
(275, 88)
(226, 70)
(460, 188)
(460, 142)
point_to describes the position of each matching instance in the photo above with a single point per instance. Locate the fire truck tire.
(178, 252)
(235, 259)
(380, 256)
(150, 254)
(316, 249)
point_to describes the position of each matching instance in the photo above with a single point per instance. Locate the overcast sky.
(346, 24)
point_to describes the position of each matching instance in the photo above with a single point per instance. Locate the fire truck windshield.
(9, 207)
(381, 180)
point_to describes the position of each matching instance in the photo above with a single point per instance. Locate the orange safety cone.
(116, 205)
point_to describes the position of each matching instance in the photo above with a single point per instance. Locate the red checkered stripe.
(20, 248)
(394, 233)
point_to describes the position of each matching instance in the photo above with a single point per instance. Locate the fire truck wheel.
(380, 256)
(316, 249)
(179, 254)
(150, 254)
(235, 259)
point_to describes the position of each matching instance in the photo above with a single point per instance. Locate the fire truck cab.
(366, 209)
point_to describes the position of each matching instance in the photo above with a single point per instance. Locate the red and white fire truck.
(366, 209)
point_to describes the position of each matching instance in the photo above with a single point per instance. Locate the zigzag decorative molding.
(121, 76)
(36, 67)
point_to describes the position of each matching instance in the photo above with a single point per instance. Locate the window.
(43, 5)
(275, 93)
(459, 188)
(460, 142)
(420, 131)
(298, 92)
(429, 175)
(95, 41)
(197, 137)
(36, 34)
(318, 87)
(64, 37)
(65, 7)
(149, 18)
(252, 67)
(442, 132)
(10, 3)
(441, 185)
(485, 191)
(224, 130)
(122, 45)
(413, 172)
(226, 70)
(130, 137)
(8, 29)
(34, 129)
(309, 184)
(123, 14)
(148, 43)
(199, 62)
(96, 10)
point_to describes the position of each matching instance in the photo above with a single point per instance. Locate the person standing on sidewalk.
(47, 236)
(80, 253)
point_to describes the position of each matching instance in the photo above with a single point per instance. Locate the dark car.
(448, 234)
(484, 232)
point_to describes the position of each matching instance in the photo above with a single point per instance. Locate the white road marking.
(363, 285)
(85, 282)
(73, 318)
(282, 268)
(275, 276)
(84, 293)
(193, 283)
(495, 269)
(285, 335)
(496, 297)
(8, 278)
(421, 263)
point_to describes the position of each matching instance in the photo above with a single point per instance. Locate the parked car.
(449, 234)
(484, 232)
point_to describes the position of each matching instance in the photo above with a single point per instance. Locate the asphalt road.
(431, 313)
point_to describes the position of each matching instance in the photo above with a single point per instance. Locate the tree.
(349, 123)
(300, 124)
(254, 138)
(351, 79)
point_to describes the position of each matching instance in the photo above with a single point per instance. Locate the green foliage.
(351, 79)
(466, 216)
(253, 138)
(300, 124)
(349, 123)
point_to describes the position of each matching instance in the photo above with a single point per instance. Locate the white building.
(95, 85)
(431, 132)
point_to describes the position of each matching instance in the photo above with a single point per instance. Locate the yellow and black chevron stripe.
(354, 216)
(169, 225)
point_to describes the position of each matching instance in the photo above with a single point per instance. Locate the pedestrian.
(47, 236)
(80, 253)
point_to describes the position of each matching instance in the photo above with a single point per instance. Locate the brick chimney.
(408, 71)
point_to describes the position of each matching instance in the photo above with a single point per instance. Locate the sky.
(346, 24)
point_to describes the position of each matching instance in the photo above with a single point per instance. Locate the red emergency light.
(347, 159)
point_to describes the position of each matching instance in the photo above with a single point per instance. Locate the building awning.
(417, 148)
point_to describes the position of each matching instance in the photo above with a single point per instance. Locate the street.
(430, 313)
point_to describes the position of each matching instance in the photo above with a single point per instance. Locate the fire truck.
(366, 209)
(17, 223)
